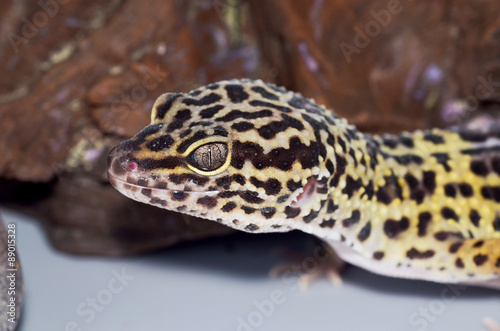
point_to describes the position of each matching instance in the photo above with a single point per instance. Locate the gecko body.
(259, 158)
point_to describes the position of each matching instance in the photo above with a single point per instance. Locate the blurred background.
(77, 77)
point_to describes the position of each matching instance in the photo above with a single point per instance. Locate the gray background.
(217, 284)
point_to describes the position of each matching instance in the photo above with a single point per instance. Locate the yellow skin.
(258, 158)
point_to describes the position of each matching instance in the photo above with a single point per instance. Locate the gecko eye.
(209, 157)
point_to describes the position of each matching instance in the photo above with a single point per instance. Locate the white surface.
(206, 286)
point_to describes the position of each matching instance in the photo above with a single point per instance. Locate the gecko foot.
(323, 262)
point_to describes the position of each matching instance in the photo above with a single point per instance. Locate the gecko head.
(236, 152)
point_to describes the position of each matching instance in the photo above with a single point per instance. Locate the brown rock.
(92, 85)
(387, 66)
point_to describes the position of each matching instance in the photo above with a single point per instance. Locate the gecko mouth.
(140, 183)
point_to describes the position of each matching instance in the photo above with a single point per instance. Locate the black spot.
(378, 255)
(265, 93)
(179, 195)
(450, 191)
(424, 219)
(239, 179)
(228, 207)
(259, 103)
(392, 227)
(271, 186)
(341, 164)
(282, 198)
(389, 142)
(185, 133)
(331, 207)
(242, 126)
(205, 101)
(369, 190)
(408, 159)
(411, 180)
(449, 213)
(434, 138)
(480, 259)
(269, 131)
(442, 158)
(292, 185)
(291, 212)
(342, 144)
(353, 155)
(157, 201)
(479, 168)
(160, 143)
(225, 182)
(210, 111)
(142, 182)
(474, 217)
(162, 109)
(236, 93)
(429, 181)
(351, 186)
(209, 202)
(312, 215)
(355, 217)
(212, 86)
(406, 141)
(491, 192)
(466, 190)
(248, 210)
(383, 196)
(250, 197)
(455, 247)
(478, 244)
(497, 264)
(146, 192)
(201, 123)
(195, 93)
(236, 114)
(251, 227)
(329, 166)
(330, 223)
(459, 263)
(496, 224)
(364, 233)
(220, 131)
(268, 212)
(161, 185)
(416, 254)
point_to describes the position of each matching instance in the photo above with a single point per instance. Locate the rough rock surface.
(78, 76)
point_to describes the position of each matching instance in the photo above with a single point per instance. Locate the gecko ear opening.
(307, 192)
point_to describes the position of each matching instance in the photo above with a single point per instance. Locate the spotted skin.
(258, 158)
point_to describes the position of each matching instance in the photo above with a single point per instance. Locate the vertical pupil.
(210, 156)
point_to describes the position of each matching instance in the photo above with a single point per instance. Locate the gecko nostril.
(132, 165)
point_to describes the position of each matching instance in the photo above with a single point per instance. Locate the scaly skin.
(258, 158)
